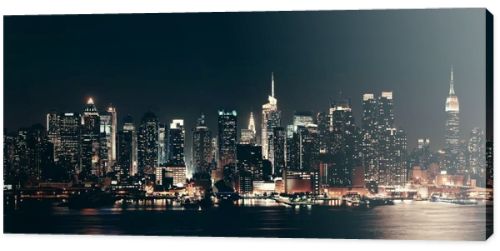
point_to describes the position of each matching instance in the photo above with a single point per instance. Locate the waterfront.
(260, 218)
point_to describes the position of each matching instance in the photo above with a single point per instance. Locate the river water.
(261, 218)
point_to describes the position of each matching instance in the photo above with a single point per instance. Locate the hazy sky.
(179, 65)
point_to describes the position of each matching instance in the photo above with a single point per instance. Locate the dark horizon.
(180, 65)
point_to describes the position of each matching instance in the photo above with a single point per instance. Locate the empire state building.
(452, 121)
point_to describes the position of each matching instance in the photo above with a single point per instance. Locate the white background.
(53, 242)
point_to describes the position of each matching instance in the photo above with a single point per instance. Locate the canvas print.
(372, 124)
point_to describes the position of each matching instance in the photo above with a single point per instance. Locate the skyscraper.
(127, 150)
(105, 142)
(279, 146)
(476, 148)
(202, 147)
(90, 142)
(248, 135)
(303, 118)
(68, 154)
(454, 158)
(271, 118)
(175, 148)
(39, 152)
(147, 144)
(292, 153)
(113, 133)
(227, 140)
(308, 147)
(452, 121)
(108, 134)
(369, 126)
(162, 144)
(392, 158)
(344, 144)
(383, 146)
(53, 132)
(385, 110)
(249, 159)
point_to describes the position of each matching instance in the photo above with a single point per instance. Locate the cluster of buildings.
(323, 152)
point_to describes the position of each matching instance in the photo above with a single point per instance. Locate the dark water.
(405, 220)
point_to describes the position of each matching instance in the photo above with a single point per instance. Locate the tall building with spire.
(455, 159)
(271, 118)
(247, 135)
(452, 109)
(251, 124)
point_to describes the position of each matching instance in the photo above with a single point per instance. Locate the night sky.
(179, 65)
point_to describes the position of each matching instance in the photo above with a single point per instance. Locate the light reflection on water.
(267, 218)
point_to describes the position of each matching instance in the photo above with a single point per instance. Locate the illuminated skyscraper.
(279, 144)
(455, 162)
(344, 145)
(370, 137)
(90, 142)
(202, 147)
(113, 134)
(423, 143)
(53, 132)
(383, 146)
(385, 111)
(227, 140)
(162, 144)
(452, 121)
(477, 156)
(292, 153)
(107, 148)
(248, 134)
(39, 152)
(303, 118)
(392, 157)
(271, 118)
(105, 142)
(175, 147)
(68, 154)
(147, 144)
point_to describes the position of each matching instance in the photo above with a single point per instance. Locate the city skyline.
(153, 145)
(270, 105)
(320, 124)
(325, 69)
